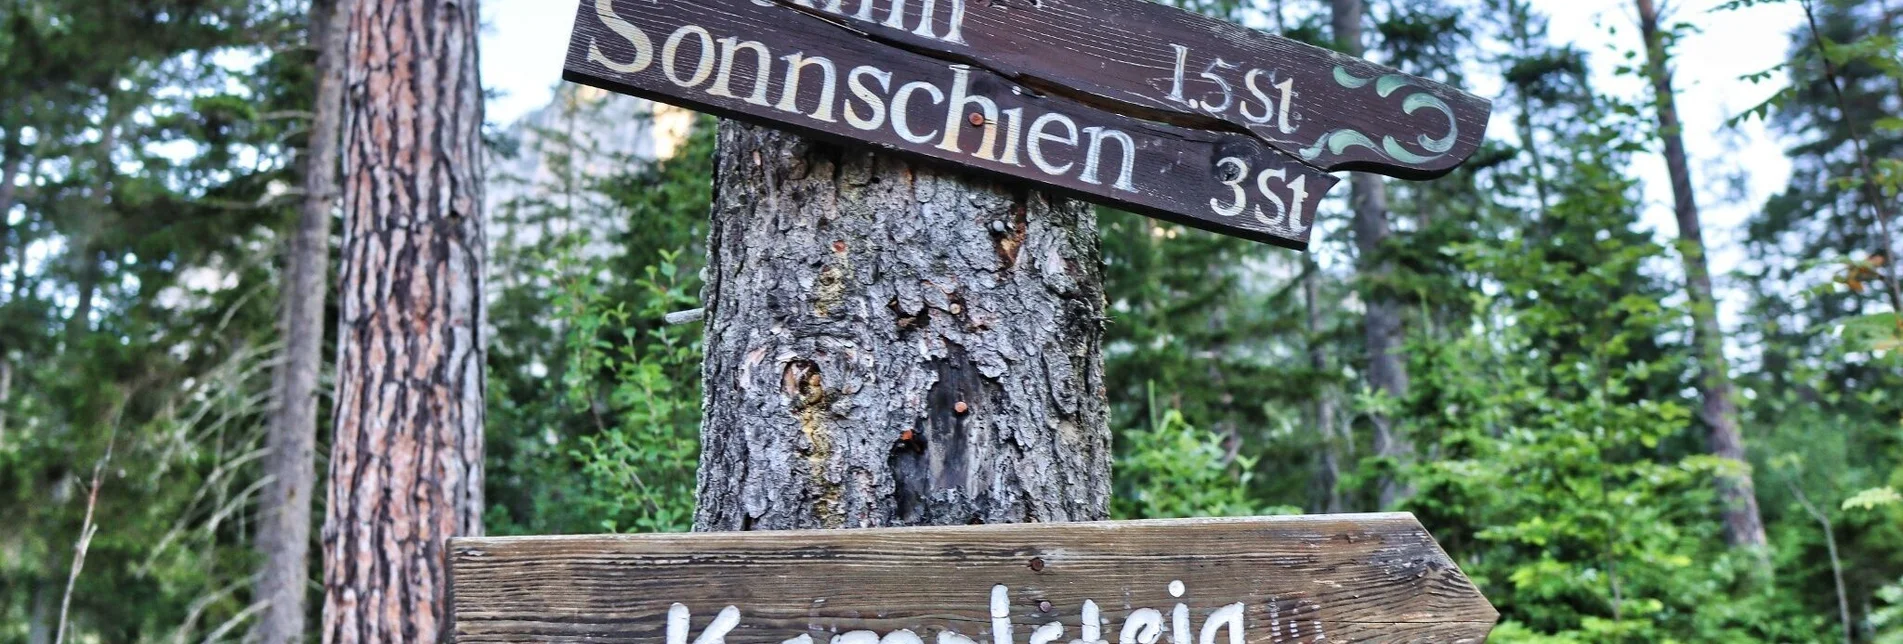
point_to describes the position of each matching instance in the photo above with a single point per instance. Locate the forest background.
(1549, 426)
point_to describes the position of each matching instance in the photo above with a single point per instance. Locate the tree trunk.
(406, 455)
(1328, 475)
(895, 344)
(284, 522)
(45, 609)
(1743, 525)
(79, 324)
(11, 153)
(1387, 368)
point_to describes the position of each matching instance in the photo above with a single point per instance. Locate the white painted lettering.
(854, 82)
(678, 618)
(955, 117)
(1268, 104)
(789, 94)
(1035, 146)
(1229, 617)
(1090, 627)
(901, 636)
(643, 48)
(1143, 626)
(1288, 96)
(955, 33)
(901, 100)
(670, 52)
(1094, 154)
(1000, 614)
(1015, 118)
(762, 69)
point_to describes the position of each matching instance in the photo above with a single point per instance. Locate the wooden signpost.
(1120, 102)
(1336, 578)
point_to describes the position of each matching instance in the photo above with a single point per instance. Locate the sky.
(523, 43)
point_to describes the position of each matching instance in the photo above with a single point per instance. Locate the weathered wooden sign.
(1202, 581)
(1333, 111)
(768, 63)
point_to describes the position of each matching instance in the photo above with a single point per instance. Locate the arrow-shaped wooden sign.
(1120, 102)
(1333, 111)
(790, 69)
(1200, 581)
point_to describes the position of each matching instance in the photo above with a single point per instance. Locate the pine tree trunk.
(284, 522)
(1387, 368)
(895, 344)
(406, 455)
(1743, 525)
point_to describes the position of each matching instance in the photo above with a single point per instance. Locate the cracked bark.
(895, 344)
(406, 453)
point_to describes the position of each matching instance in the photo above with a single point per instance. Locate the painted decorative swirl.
(1339, 141)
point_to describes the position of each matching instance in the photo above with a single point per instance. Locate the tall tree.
(1719, 407)
(895, 344)
(1387, 367)
(406, 456)
(284, 525)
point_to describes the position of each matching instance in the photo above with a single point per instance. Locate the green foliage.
(1172, 470)
(610, 443)
(640, 471)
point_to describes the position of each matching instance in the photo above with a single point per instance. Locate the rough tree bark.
(284, 521)
(1387, 368)
(1743, 525)
(895, 344)
(406, 455)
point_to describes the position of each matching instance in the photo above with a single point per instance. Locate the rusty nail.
(839, 246)
(1037, 564)
(905, 435)
(1043, 605)
(976, 118)
(961, 407)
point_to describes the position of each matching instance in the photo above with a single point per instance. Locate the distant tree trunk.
(45, 609)
(11, 160)
(284, 522)
(894, 344)
(1743, 525)
(1387, 368)
(406, 456)
(87, 266)
(1328, 475)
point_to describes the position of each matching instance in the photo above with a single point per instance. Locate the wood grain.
(1224, 181)
(1375, 577)
(1126, 53)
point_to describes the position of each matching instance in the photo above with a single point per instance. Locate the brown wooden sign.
(1376, 577)
(795, 69)
(1333, 111)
